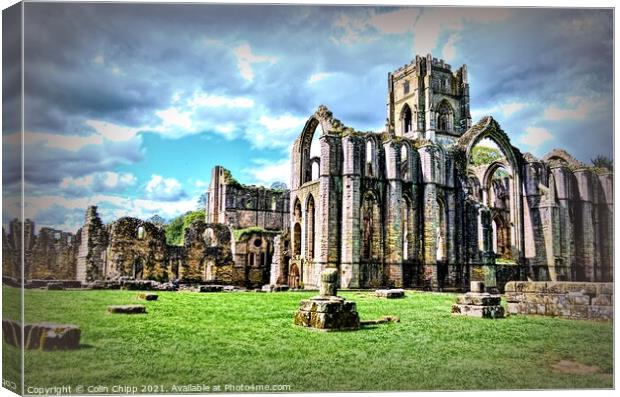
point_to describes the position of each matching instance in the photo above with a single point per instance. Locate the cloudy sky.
(130, 106)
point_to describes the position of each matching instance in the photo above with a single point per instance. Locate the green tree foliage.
(481, 155)
(175, 229)
(603, 162)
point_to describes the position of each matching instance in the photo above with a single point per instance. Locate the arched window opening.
(310, 227)
(444, 117)
(297, 239)
(138, 268)
(407, 228)
(315, 168)
(441, 231)
(141, 233)
(311, 148)
(407, 119)
(404, 161)
(370, 154)
(370, 227)
(406, 88)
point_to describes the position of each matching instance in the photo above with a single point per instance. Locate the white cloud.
(245, 59)
(394, 22)
(316, 77)
(100, 181)
(99, 60)
(265, 172)
(113, 132)
(506, 109)
(173, 117)
(448, 52)
(576, 108)
(166, 189)
(205, 100)
(535, 136)
(433, 22)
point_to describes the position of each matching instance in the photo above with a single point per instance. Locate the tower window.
(406, 87)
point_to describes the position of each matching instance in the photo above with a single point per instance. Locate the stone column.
(428, 101)
(606, 244)
(393, 239)
(585, 247)
(351, 190)
(564, 254)
(330, 193)
(429, 215)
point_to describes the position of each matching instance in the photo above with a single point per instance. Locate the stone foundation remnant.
(328, 312)
(390, 293)
(561, 299)
(127, 309)
(148, 297)
(478, 303)
(42, 336)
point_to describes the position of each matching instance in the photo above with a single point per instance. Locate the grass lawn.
(249, 338)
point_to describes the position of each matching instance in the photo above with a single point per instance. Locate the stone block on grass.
(127, 309)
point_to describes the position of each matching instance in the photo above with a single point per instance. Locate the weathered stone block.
(148, 297)
(327, 314)
(478, 299)
(602, 300)
(478, 311)
(127, 309)
(55, 286)
(476, 286)
(578, 298)
(601, 312)
(390, 293)
(605, 288)
(579, 311)
(42, 336)
(211, 288)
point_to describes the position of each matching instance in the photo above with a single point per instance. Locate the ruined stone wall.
(209, 255)
(92, 241)
(253, 253)
(579, 300)
(50, 254)
(53, 255)
(136, 249)
(241, 206)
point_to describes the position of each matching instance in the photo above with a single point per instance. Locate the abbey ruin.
(411, 206)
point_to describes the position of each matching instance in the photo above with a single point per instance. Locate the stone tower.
(427, 100)
(92, 248)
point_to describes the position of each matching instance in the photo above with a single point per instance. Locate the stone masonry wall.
(580, 300)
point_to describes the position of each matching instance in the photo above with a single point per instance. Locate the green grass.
(249, 338)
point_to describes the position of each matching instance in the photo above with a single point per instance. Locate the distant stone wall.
(561, 299)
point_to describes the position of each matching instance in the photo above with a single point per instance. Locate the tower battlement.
(426, 99)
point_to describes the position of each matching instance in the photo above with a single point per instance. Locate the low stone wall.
(561, 299)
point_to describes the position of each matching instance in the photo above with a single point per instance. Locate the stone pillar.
(428, 100)
(535, 246)
(351, 190)
(606, 244)
(585, 244)
(429, 215)
(328, 220)
(488, 256)
(393, 239)
(563, 255)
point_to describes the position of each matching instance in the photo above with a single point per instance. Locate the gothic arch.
(371, 226)
(445, 117)
(310, 223)
(371, 156)
(406, 119)
(301, 149)
(406, 161)
(487, 127)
